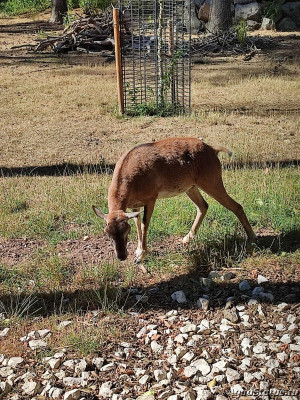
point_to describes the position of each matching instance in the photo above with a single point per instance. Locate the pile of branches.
(229, 44)
(86, 34)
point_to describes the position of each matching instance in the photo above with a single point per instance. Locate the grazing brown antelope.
(162, 169)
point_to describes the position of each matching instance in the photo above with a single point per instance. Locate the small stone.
(188, 328)
(63, 324)
(295, 347)
(190, 371)
(231, 315)
(190, 395)
(244, 286)
(181, 338)
(6, 371)
(37, 344)
(261, 279)
(107, 367)
(248, 377)
(159, 375)
(252, 302)
(286, 338)
(213, 274)
(5, 388)
(203, 303)
(221, 397)
(179, 296)
(54, 363)
(72, 394)
(282, 356)
(4, 332)
(142, 298)
(257, 290)
(282, 306)
(206, 282)
(272, 363)
(43, 333)
(105, 390)
(31, 388)
(259, 348)
(72, 381)
(232, 375)
(15, 362)
(98, 362)
(155, 347)
(266, 296)
(144, 379)
(228, 276)
(202, 366)
(280, 327)
(81, 366)
(188, 356)
(204, 327)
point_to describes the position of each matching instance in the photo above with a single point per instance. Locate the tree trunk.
(59, 10)
(220, 16)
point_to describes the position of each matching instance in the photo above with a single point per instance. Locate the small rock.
(213, 274)
(37, 344)
(15, 362)
(248, 377)
(266, 296)
(72, 394)
(188, 356)
(72, 381)
(259, 348)
(267, 24)
(204, 327)
(54, 363)
(190, 371)
(105, 390)
(144, 379)
(179, 296)
(63, 324)
(181, 338)
(5, 388)
(282, 356)
(159, 375)
(272, 363)
(228, 276)
(6, 371)
(202, 366)
(155, 347)
(244, 286)
(31, 388)
(286, 338)
(231, 315)
(232, 375)
(261, 279)
(282, 306)
(252, 302)
(203, 303)
(107, 367)
(4, 332)
(257, 290)
(98, 362)
(280, 327)
(43, 333)
(188, 328)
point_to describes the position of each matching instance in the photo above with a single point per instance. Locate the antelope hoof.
(187, 238)
(139, 256)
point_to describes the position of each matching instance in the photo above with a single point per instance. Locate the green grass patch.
(15, 7)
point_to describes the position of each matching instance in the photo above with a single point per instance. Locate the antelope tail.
(217, 149)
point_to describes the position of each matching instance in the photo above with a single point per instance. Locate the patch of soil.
(96, 249)
(16, 251)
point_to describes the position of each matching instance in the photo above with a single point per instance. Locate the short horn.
(99, 213)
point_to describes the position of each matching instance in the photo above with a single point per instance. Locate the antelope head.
(117, 229)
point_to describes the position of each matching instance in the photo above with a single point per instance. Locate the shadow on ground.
(283, 283)
(67, 169)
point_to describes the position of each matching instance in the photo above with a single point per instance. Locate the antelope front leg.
(142, 250)
(138, 225)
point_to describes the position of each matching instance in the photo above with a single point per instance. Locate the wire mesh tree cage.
(155, 51)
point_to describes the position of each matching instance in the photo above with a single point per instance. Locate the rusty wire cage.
(155, 50)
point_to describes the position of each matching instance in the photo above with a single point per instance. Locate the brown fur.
(167, 168)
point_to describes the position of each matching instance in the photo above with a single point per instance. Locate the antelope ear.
(132, 214)
(99, 213)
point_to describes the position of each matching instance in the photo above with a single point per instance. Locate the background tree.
(59, 9)
(220, 18)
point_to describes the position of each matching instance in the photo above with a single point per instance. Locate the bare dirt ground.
(70, 122)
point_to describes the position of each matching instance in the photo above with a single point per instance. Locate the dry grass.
(54, 110)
